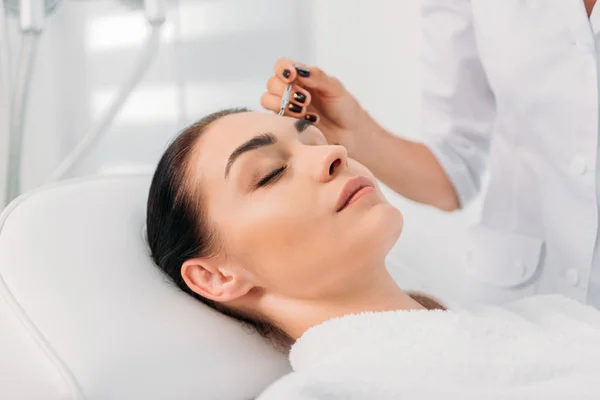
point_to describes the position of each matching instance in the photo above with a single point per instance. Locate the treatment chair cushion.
(84, 313)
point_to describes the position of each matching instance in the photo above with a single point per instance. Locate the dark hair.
(178, 228)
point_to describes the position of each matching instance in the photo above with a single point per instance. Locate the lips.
(352, 187)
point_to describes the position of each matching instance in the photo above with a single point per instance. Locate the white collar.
(347, 334)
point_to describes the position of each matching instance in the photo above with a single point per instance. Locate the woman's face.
(277, 193)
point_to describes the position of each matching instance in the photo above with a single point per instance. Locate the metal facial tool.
(285, 99)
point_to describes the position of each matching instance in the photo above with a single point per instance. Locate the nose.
(333, 161)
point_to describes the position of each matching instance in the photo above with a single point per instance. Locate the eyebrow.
(301, 125)
(262, 140)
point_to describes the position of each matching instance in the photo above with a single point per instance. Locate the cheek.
(270, 235)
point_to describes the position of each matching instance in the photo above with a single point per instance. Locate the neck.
(375, 292)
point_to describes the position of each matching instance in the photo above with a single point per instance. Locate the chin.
(382, 227)
(392, 220)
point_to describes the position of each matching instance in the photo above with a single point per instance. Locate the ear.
(215, 280)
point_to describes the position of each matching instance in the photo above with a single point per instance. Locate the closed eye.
(271, 177)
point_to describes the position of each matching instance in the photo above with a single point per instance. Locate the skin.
(589, 6)
(284, 250)
(407, 167)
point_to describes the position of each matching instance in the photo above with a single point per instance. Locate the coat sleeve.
(457, 106)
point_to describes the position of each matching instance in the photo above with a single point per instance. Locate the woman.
(277, 193)
(510, 80)
(259, 217)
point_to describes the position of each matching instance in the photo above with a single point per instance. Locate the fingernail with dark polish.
(303, 72)
(299, 97)
(295, 108)
(286, 73)
(310, 117)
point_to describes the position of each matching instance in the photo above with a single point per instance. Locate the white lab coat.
(513, 85)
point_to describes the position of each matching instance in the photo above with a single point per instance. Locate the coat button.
(578, 166)
(572, 276)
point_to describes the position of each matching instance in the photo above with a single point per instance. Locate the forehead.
(223, 136)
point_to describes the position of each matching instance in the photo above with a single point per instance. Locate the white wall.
(373, 47)
(214, 53)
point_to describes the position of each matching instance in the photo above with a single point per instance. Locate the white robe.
(545, 347)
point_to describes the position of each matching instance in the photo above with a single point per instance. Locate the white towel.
(545, 347)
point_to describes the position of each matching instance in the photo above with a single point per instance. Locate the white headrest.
(84, 313)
